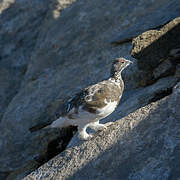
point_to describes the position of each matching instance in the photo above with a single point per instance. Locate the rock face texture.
(51, 49)
(19, 30)
(154, 45)
(143, 145)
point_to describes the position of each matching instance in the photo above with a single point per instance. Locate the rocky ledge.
(51, 49)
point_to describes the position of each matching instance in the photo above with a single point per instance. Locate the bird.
(93, 103)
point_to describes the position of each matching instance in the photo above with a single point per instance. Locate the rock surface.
(143, 145)
(160, 13)
(19, 30)
(51, 49)
(153, 46)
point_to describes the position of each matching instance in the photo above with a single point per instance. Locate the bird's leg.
(83, 134)
(99, 127)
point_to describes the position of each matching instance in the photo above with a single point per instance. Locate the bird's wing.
(97, 96)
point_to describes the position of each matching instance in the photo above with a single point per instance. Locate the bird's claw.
(85, 136)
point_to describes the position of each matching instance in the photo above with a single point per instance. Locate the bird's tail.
(40, 126)
(59, 123)
(47, 127)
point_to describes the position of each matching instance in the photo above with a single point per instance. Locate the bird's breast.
(107, 109)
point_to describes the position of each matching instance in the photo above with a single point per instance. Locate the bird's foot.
(109, 124)
(85, 136)
(101, 127)
(97, 127)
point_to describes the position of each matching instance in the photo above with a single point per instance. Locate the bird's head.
(118, 65)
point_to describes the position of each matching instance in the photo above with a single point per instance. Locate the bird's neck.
(116, 77)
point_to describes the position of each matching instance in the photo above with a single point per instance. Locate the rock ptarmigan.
(93, 103)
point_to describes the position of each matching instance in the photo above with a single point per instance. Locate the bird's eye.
(122, 62)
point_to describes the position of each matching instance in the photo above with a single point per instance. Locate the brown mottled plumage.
(104, 90)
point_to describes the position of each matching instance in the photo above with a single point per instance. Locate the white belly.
(83, 117)
(108, 109)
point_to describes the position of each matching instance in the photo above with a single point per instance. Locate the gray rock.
(177, 74)
(163, 69)
(19, 29)
(65, 50)
(157, 17)
(143, 145)
(175, 53)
